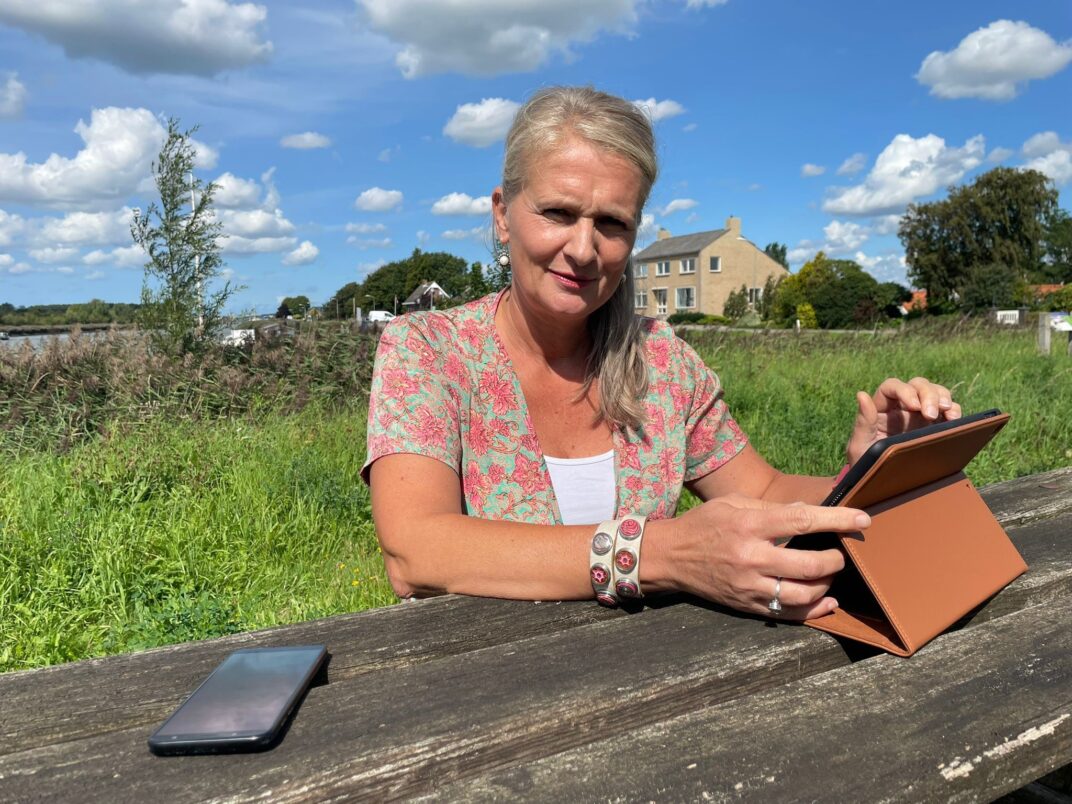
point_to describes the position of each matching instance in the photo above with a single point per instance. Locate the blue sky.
(345, 133)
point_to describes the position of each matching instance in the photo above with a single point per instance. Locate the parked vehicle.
(379, 316)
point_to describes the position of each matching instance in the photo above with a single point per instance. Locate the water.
(38, 341)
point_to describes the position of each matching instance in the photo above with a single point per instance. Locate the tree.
(998, 219)
(987, 287)
(838, 293)
(765, 308)
(736, 304)
(777, 252)
(298, 305)
(283, 311)
(1057, 263)
(398, 279)
(177, 311)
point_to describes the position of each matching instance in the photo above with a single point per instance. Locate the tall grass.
(144, 502)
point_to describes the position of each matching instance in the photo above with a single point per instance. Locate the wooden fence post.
(1044, 333)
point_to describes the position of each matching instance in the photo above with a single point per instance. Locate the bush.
(685, 318)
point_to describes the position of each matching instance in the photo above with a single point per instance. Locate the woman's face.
(570, 229)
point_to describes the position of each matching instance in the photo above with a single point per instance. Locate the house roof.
(685, 244)
(423, 288)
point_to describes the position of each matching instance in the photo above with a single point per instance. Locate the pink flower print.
(480, 436)
(428, 428)
(498, 389)
(496, 473)
(455, 369)
(476, 482)
(530, 443)
(399, 383)
(527, 474)
(634, 482)
(659, 354)
(629, 457)
(472, 333)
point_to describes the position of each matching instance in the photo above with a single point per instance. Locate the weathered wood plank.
(400, 732)
(975, 714)
(1032, 498)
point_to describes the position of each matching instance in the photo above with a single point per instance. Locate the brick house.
(697, 272)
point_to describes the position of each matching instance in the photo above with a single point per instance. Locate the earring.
(502, 256)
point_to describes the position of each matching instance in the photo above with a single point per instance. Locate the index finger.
(796, 520)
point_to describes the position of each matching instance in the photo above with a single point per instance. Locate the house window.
(662, 268)
(660, 301)
(716, 265)
(641, 300)
(754, 295)
(641, 271)
(688, 266)
(686, 298)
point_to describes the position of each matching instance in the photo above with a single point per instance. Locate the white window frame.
(640, 299)
(641, 271)
(688, 265)
(715, 264)
(754, 295)
(662, 268)
(677, 297)
(660, 309)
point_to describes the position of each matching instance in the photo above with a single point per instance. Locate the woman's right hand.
(726, 551)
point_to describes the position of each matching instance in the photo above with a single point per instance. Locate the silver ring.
(775, 605)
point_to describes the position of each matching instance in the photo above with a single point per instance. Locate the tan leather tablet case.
(933, 552)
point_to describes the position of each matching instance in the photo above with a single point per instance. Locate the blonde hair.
(611, 123)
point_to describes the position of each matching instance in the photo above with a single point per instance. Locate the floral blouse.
(443, 386)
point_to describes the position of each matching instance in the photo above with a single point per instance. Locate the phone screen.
(244, 700)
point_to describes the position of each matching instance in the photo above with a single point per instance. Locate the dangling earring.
(502, 256)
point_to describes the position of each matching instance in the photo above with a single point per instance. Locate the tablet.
(876, 450)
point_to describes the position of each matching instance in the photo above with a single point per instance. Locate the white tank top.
(584, 488)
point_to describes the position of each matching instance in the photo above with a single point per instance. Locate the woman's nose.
(581, 247)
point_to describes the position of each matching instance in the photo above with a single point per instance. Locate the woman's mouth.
(575, 282)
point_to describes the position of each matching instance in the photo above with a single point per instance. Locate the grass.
(213, 506)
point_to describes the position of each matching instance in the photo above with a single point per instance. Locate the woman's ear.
(498, 215)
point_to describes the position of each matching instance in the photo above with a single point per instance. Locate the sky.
(343, 134)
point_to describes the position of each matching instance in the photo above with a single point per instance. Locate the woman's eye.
(556, 213)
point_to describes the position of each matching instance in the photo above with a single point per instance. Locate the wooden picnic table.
(468, 699)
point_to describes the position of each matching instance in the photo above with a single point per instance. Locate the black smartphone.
(874, 452)
(243, 704)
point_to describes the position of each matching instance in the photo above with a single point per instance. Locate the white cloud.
(387, 154)
(994, 62)
(366, 268)
(376, 199)
(853, 165)
(690, 127)
(94, 275)
(647, 229)
(12, 97)
(481, 124)
(302, 255)
(236, 244)
(1048, 155)
(462, 204)
(677, 205)
(659, 110)
(233, 192)
(807, 170)
(6, 260)
(132, 256)
(423, 237)
(51, 255)
(65, 269)
(366, 243)
(255, 223)
(886, 268)
(705, 3)
(801, 253)
(305, 141)
(885, 224)
(998, 155)
(120, 146)
(475, 233)
(839, 238)
(907, 169)
(87, 228)
(365, 228)
(201, 37)
(755, 187)
(11, 226)
(477, 37)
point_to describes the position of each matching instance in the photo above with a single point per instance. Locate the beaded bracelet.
(626, 565)
(599, 562)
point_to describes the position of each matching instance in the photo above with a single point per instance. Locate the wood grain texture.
(423, 695)
(974, 714)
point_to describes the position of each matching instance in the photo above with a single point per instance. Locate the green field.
(162, 528)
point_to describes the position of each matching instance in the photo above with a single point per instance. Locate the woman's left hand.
(898, 406)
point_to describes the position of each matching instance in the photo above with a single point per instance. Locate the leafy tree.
(283, 311)
(736, 304)
(765, 308)
(839, 293)
(398, 279)
(805, 314)
(778, 252)
(179, 236)
(998, 219)
(1057, 264)
(298, 305)
(987, 287)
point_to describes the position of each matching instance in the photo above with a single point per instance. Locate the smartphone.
(874, 452)
(243, 704)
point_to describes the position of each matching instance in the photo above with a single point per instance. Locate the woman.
(503, 431)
